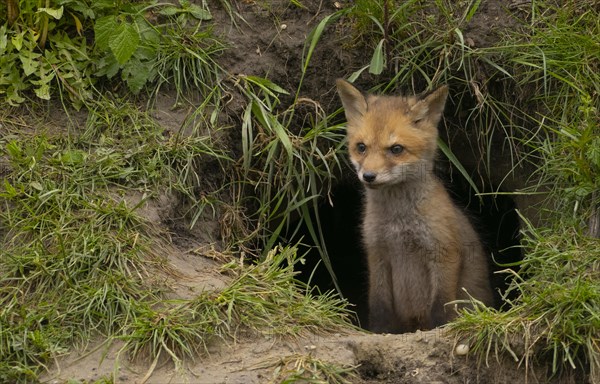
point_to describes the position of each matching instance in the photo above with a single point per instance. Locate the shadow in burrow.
(494, 216)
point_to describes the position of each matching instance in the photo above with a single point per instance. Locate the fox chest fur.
(394, 231)
(422, 251)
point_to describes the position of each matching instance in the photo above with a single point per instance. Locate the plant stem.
(594, 221)
(12, 10)
(386, 32)
(44, 28)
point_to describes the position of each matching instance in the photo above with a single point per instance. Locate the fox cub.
(422, 251)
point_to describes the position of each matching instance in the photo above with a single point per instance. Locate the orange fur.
(422, 251)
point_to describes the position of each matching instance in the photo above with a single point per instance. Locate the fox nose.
(369, 177)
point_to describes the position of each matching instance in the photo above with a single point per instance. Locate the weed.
(290, 167)
(263, 297)
(77, 256)
(555, 314)
(51, 51)
(307, 368)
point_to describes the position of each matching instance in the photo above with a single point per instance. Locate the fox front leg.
(382, 318)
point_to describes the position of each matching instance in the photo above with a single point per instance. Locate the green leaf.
(472, 10)
(43, 92)
(352, 78)
(581, 191)
(314, 37)
(195, 10)
(36, 185)
(13, 97)
(169, 10)
(52, 12)
(148, 34)
(377, 61)
(9, 190)
(454, 160)
(136, 75)
(593, 152)
(199, 13)
(72, 157)
(3, 38)
(107, 66)
(266, 85)
(17, 40)
(103, 30)
(460, 35)
(14, 150)
(30, 62)
(123, 42)
(247, 137)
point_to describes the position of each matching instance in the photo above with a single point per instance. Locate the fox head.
(391, 139)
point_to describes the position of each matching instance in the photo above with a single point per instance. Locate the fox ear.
(431, 106)
(354, 102)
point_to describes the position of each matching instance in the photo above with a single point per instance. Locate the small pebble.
(461, 349)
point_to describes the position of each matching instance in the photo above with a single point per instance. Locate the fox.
(422, 251)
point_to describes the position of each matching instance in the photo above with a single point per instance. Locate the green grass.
(307, 368)
(76, 257)
(555, 317)
(262, 298)
(76, 254)
(72, 263)
(290, 157)
(78, 261)
(144, 44)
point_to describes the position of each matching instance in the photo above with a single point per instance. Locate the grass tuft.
(555, 317)
(308, 368)
(77, 255)
(290, 158)
(263, 298)
(77, 259)
(556, 314)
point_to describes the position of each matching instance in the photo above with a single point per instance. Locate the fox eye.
(417, 121)
(396, 149)
(361, 147)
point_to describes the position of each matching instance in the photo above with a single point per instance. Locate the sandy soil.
(422, 357)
